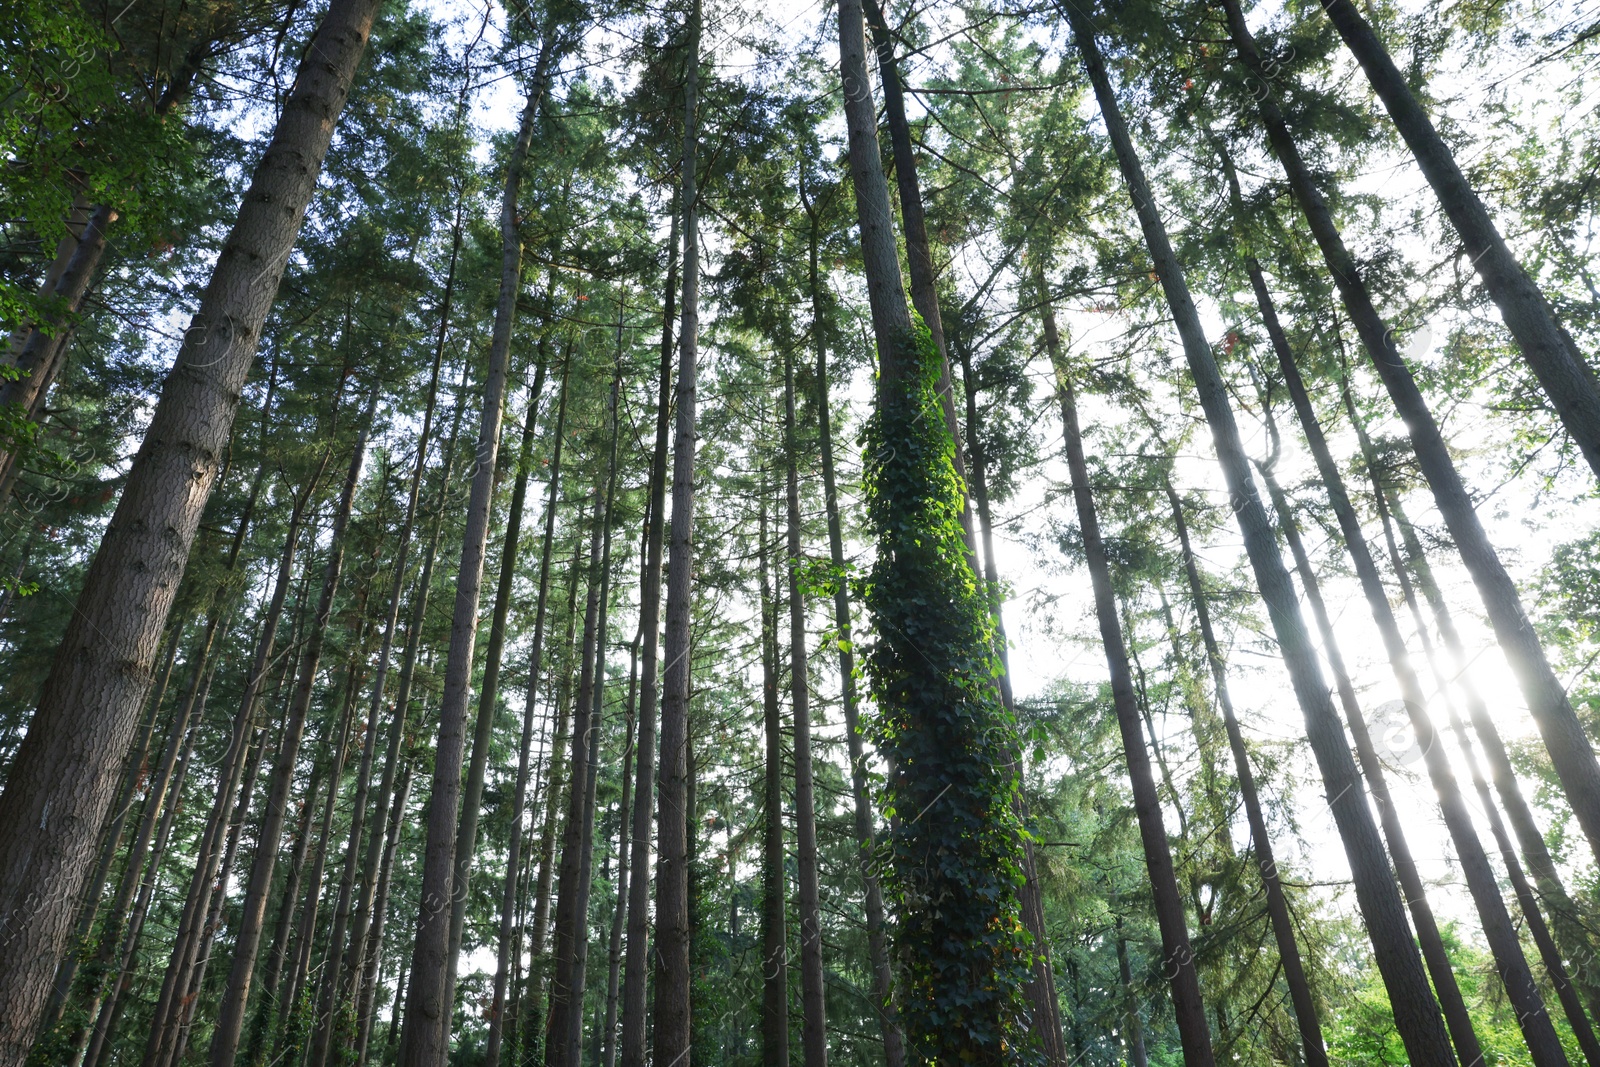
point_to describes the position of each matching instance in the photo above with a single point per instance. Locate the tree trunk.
(1510, 963)
(342, 972)
(774, 894)
(944, 716)
(1134, 1030)
(564, 1031)
(1266, 864)
(1178, 961)
(489, 686)
(814, 1033)
(1546, 347)
(636, 968)
(1416, 1014)
(65, 773)
(519, 801)
(672, 977)
(619, 911)
(1571, 753)
(236, 996)
(860, 791)
(427, 1026)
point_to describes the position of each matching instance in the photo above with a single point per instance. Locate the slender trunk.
(1133, 1032)
(814, 1034)
(1416, 1014)
(774, 894)
(672, 978)
(1510, 963)
(65, 773)
(489, 686)
(558, 771)
(619, 909)
(519, 801)
(1178, 961)
(1546, 347)
(373, 952)
(860, 791)
(1437, 958)
(427, 1032)
(565, 1027)
(1266, 863)
(272, 1008)
(637, 965)
(1571, 753)
(342, 973)
(236, 996)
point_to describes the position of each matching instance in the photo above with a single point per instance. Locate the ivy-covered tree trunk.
(65, 774)
(1178, 959)
(956, 845)
(1416, 1014)
(1571, 753)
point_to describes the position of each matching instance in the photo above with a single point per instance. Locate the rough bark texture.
(1416, 1014)
(63, 778)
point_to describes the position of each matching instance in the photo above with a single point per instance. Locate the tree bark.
(619, 908)
(64, 776)
(673, 978)
(427, 1025)
(1178, 960)
(1416, 1014)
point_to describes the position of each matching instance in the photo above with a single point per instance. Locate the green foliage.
(951, 745)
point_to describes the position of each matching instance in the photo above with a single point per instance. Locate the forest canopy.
(670, 532)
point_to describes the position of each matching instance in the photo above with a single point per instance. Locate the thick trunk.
(427, 1024)
(1178, 961)
(236, 997)
(1416, 1014)
(814, 1032)
(774, 894)
(1294, 972)
(65, 774)
(1571, 753)
(519, 801)
(860, 790)
(636, 968)
(672, 977)
(1547, 348)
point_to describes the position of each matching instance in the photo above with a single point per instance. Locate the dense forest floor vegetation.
(595, 532)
